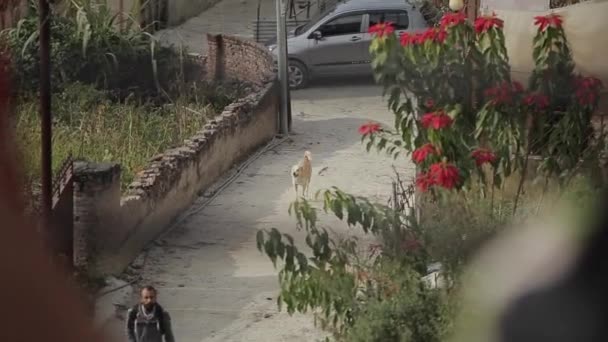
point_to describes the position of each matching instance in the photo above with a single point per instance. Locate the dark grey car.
(336, 41)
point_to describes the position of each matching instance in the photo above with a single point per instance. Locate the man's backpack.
(160, 316)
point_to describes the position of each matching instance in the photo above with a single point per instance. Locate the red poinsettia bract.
(445, 175)
(503, 93)
(588, 82)
(452, 19)
(437, 35)
(436, 120)
(432, 34)
(538, 101)
(486, 23)
(440, 35)
(587, 90)
(483, 156)
(382, 30)
(517, 87)
(551, 20)
(406, 39)
(424, 182)
(427, 35)
(421, 153)
(369, 128)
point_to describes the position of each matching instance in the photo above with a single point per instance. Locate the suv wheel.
(298, 75)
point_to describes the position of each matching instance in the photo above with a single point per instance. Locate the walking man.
(148, 321)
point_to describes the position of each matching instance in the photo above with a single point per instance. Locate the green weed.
(90, 126)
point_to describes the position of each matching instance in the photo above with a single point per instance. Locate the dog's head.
(296, 171)
(308, 155)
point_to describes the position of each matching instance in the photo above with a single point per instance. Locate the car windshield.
(315, 19)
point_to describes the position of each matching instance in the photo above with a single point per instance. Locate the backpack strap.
(133, 312)
(160, 316)
(132, 320)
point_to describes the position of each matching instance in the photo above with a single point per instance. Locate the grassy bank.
(118, 96)
(89, 125)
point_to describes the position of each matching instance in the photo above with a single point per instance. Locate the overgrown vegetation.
(118, 95)
(87, 46)
(88, 125)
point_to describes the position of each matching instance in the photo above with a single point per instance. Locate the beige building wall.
(585, 25)
(520, 5)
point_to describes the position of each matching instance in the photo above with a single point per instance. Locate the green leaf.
(337, 209)
(381, 145)
(260, 240)
(369, 145)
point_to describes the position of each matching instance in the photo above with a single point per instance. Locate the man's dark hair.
(147, 288)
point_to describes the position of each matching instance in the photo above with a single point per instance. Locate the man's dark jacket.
(151, 326)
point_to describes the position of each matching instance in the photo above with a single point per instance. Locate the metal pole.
(288, 105)
(45, 109)
(282, 65)
(257, 23)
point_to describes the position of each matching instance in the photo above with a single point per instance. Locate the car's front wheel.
(298, 75)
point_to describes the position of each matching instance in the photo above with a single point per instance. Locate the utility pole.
(285, 106)
(45, 109)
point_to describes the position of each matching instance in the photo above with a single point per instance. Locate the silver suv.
(336, 41)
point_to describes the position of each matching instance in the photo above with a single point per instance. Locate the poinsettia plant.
(458, 114)
(457, 109)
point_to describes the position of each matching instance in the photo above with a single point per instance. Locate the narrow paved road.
(211, 277)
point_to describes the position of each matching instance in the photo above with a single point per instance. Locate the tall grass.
(88, 46)
(90, 126)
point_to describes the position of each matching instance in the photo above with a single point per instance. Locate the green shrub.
(375, 295)
(414, 313)
(87, 47)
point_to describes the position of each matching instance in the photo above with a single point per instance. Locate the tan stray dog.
(301, 174)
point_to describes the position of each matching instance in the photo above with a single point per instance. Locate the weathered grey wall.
(111, 230)
(182, 10)
(178, 11)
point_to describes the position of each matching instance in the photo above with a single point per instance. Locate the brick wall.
(231, 57)
(111, 230)
(96, 190)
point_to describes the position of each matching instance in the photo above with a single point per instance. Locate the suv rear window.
(400, 19)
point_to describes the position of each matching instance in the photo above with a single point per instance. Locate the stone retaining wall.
(111, 230)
